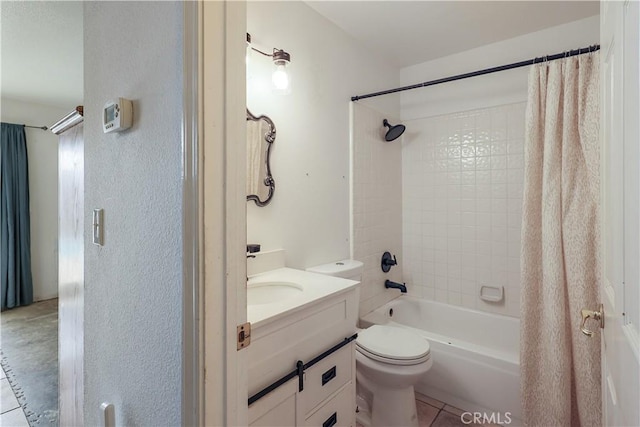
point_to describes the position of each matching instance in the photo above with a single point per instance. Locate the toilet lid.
(392, 342)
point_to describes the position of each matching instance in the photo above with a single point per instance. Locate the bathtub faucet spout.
(393, 285)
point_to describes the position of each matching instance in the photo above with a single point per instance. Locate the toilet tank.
(346, 269)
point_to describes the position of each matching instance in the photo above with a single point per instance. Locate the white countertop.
(316, 287)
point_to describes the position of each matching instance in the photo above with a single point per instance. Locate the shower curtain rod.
(37, 127)
(483, 72)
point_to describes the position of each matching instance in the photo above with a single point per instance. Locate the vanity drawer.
(326, 377)
(339, 411)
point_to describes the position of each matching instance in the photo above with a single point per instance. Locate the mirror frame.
(270, 138)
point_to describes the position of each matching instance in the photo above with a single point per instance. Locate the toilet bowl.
(389, 362)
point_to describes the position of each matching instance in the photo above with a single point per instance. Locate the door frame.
(214, 384)
(192, 366)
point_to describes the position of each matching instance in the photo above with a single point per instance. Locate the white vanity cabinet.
(308, 327)
(327, 398)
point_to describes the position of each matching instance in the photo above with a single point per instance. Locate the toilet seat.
(393, 345)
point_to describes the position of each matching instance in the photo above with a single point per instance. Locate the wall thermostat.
(117, 115)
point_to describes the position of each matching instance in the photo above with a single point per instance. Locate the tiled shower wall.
(462, 206)
(376, 204)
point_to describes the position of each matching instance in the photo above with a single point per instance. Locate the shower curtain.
(15, 231)
(560, 244)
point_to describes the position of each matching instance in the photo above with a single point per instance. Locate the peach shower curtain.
(560, 274)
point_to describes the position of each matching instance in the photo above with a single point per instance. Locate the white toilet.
(389, 361)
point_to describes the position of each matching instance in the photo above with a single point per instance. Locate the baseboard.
(39, 298)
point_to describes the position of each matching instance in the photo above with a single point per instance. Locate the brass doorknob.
(596, 315)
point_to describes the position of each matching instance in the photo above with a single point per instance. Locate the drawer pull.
(329, 375)
(331, 421)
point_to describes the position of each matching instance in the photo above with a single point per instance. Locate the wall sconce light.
(281, 61)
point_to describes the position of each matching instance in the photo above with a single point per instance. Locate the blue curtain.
(15, 231)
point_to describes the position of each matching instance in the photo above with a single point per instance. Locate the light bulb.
(280, 78)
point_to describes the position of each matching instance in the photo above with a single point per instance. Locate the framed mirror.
(261, 134)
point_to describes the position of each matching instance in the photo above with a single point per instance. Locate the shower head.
(394, 131)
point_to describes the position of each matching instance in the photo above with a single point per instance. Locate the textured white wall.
(133, 314)
(505, 87)
(309, 214)
(42, 147)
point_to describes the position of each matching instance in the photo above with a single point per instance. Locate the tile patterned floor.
(11, 414)
(29, 351)
(433, 413)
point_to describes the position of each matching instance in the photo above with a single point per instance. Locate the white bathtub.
(476, 362)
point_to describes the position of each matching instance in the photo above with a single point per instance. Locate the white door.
(71, 273)
(620, 190)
